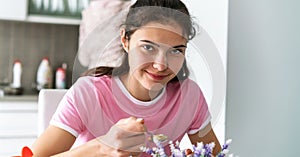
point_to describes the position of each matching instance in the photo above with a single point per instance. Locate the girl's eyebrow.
(151, 42)
(179, 46)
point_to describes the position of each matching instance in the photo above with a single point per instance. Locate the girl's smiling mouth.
(155, 76)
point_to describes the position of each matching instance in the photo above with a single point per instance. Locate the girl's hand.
(124, 138)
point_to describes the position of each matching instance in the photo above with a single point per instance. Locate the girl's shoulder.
(185, 84)
(93, 79)
(90, 83)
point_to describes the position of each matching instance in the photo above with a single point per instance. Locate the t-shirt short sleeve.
(66, 116)
(202, 116)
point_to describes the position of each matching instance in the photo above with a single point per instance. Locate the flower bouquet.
(200, 150)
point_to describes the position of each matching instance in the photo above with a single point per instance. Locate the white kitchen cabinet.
(18, 10)
(18, 125)
(13, 10)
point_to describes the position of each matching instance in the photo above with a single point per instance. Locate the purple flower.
(200, 150)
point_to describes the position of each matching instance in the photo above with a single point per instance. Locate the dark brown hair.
(141, 13)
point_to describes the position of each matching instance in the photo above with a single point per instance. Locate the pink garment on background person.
(94, 104)
(96, 14)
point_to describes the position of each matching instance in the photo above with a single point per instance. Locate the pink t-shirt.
(93, 104)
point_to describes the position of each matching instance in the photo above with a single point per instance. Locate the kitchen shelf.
(52, 19)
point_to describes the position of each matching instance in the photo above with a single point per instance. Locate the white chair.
(48, 101)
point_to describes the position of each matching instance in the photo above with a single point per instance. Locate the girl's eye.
(148, 47)
(175, 51)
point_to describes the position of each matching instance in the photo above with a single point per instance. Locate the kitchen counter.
(19, 98)
(18, 123)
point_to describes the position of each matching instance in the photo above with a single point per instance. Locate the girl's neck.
(137, 90)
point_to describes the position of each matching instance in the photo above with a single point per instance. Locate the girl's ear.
(124, 41)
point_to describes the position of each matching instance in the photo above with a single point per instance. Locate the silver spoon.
(156, 138)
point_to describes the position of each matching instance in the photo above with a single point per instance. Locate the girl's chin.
(156, 87)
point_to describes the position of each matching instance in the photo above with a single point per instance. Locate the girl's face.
(155, 55)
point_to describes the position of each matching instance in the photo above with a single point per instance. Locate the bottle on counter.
(60, 77)
(44, 75)
(17, 74)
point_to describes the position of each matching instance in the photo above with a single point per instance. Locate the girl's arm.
(57, 142)
(54, 140)
(206, 135)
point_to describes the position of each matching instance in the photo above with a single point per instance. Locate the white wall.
(263, 100)
(212, 16)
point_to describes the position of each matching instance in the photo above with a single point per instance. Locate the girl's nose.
(159, 67)
(160, 63)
